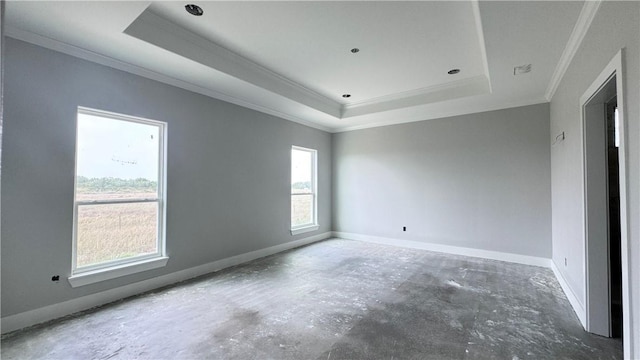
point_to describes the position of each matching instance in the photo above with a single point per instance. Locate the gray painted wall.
(2, 23)
(479, 181)
(2, 3)
(228, 172)
(616, 26)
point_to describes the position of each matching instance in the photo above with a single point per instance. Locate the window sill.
(91, 277)
(304, 229)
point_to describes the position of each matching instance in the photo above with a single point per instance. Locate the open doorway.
(599, 223)
(613, 187)
(605, 206)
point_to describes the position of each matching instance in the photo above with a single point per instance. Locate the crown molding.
(91, 56)
(459, 111)
(476, 85)
(412, 93)
(475, 4)
(587, 14)
(154, 29)
(394, 104)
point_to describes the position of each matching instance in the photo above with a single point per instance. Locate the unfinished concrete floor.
(336, 299)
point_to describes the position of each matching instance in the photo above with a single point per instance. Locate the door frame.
(614, 68)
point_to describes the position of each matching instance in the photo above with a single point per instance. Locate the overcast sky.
(300, 166)
(115, 148)
(128, 150)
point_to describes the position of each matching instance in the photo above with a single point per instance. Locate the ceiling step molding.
(483, 48)
(587, 14)
(94, 57)
(476, 85)
(215, 70)
(459, 111)
(156, 30)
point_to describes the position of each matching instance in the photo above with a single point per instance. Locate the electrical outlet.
(404, 228)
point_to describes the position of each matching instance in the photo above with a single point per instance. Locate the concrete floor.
(336, 299)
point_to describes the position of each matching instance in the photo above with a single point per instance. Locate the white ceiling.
(313, 49)
(293, 59)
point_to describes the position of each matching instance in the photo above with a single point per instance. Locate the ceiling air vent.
(522, 69)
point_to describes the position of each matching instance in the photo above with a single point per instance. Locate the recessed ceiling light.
(346, 95)
(194, 9)
(355, 50)
(453, 71)
(522, 69)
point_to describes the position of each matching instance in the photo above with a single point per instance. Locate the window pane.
(301, 210)
(116, 231)
(116, 159)
(301, 162)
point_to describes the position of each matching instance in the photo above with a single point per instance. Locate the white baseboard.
(50, 312)
(577, 306)
(33, 317)
(457, 250)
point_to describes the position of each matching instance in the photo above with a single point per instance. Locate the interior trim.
(305, 229)
(100, 59)
(588, 12)
(614, 67)
(477, 85)
(84, 54)
(91, 277)
(466, 110)
(154, 29)
(54, 311)
(483, 48)
(448, 249)
(574, 300)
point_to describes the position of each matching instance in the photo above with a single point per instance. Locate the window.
(119, 196)
(304, 197)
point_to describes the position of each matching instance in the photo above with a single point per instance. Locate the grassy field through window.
(301, 210)
(119, 167)
(116, 231)
(302, 187)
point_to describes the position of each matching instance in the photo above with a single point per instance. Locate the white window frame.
(116, 268)
(295, 230)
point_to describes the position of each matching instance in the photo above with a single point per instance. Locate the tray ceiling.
(294, 59)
